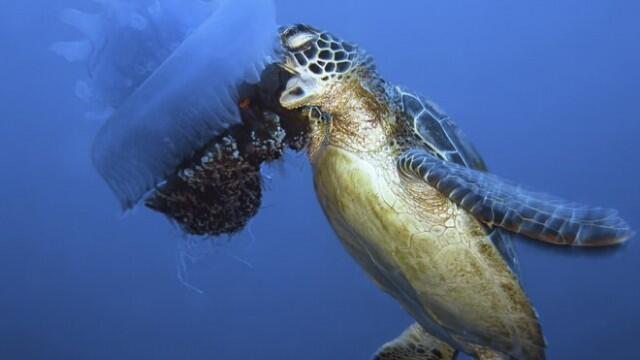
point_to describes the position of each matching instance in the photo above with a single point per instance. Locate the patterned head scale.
(317, 58)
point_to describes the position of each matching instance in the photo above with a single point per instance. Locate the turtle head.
(318, 60)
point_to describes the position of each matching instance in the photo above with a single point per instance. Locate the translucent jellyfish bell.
(168, 72)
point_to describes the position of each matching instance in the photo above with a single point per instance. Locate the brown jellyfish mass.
(220, 188)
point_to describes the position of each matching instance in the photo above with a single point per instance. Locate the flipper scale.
(415, 344)
(497, 202)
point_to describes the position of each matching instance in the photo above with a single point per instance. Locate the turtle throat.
(358, 118)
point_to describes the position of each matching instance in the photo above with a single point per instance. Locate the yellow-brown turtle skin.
(432, 256)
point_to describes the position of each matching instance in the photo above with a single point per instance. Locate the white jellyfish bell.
(165, 75)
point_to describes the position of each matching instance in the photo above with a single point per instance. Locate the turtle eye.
(298, 37)
(300, 41)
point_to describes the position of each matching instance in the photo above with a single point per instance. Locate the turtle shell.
(439, 132)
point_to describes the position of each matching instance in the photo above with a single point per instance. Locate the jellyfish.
(165, 74)
(187, 91)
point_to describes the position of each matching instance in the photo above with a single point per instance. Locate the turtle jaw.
(300, 91)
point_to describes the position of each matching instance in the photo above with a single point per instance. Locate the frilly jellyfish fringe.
(166, 74)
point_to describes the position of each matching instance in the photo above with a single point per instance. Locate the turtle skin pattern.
(415, 344)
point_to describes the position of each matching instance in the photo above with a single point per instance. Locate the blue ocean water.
(548, 92)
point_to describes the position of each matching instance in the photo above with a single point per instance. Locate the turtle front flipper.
(497, 202)
(415, 344)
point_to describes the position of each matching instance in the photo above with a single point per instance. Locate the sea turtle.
(412, 202)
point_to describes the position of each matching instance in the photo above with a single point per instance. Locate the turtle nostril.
(297, 91)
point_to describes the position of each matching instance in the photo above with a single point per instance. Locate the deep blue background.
(548, 90)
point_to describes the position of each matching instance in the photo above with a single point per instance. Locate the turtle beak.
(298, 92)
(288, 68)
(288, 65)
